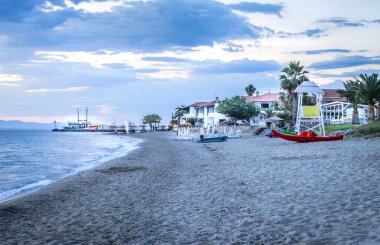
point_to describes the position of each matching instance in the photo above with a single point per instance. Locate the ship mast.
(78, 114)
(86, 114)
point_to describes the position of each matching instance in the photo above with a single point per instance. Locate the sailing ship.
(81, 125)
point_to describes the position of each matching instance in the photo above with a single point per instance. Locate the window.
(210, 109)
(264, 105)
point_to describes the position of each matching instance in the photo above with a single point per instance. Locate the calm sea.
(30, 160)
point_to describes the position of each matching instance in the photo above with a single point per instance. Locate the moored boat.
(307, 137)
(287, 132)
(202, 139)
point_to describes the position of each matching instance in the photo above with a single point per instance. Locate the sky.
(128, 58)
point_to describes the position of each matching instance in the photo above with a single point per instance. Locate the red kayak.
(307, 136)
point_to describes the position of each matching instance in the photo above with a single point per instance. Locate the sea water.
(30, 160)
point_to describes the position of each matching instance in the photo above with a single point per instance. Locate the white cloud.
(46, 90)
(164, 74)
(107, 109)
(10, 80)
(95, 6)
(49, 7)
(130, 60)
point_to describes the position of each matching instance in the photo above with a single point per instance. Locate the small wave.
(122, 150)
(51, 165)
(6, 195)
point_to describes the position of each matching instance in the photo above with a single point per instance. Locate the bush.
(332, 128)
(286, 116)
(370, 128)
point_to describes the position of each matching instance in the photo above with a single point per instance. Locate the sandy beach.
(251, 190)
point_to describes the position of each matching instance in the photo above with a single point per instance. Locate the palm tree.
(293, 76)
(369, 90)
(179, 111)
(152, 119)
(250, 90)
(191, 121)
(351, 92)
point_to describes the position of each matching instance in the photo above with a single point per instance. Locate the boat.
(270, 134)
(287, 132)
(82, 126)
(307, 136)
(202, 139)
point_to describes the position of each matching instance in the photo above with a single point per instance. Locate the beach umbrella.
(274, 119)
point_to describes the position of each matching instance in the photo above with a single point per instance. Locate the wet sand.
(251, 190)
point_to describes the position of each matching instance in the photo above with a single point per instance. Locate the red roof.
(200, 104)
(332, 95)
(211, 103)
(197, 104)
(268, 97)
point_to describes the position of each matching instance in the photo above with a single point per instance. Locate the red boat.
(307, 136)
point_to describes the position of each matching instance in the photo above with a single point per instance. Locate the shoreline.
(85, 166)
(249, 190)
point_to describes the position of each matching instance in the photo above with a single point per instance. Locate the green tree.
(152, 120)
(191, 121)
(179, 112)
(173, 120)
(237, 108)
(250, 90)
(369, 90)
(293, 75)
(351, 92)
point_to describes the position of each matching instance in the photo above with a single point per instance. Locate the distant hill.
(26, 125)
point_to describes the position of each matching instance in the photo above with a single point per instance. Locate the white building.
(262, 102)
(206, 114)
(341, 113)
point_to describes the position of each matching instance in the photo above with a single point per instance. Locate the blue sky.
(127, 58)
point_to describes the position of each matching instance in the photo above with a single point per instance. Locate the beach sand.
(251, 190)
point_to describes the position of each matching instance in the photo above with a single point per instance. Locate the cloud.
(164, 74)
(164, 59)
(145, 66)
(231, 47)
(345, 61)
(15, 11)
(336, 84)
(238, 66)
(10, 80)
(323, 51)
(95, 6)
(46, 90)
(351, 74)
(152, 25)
(342, 22)
(258, 7)
(309, 33)
(107, 109)
(312, 32)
